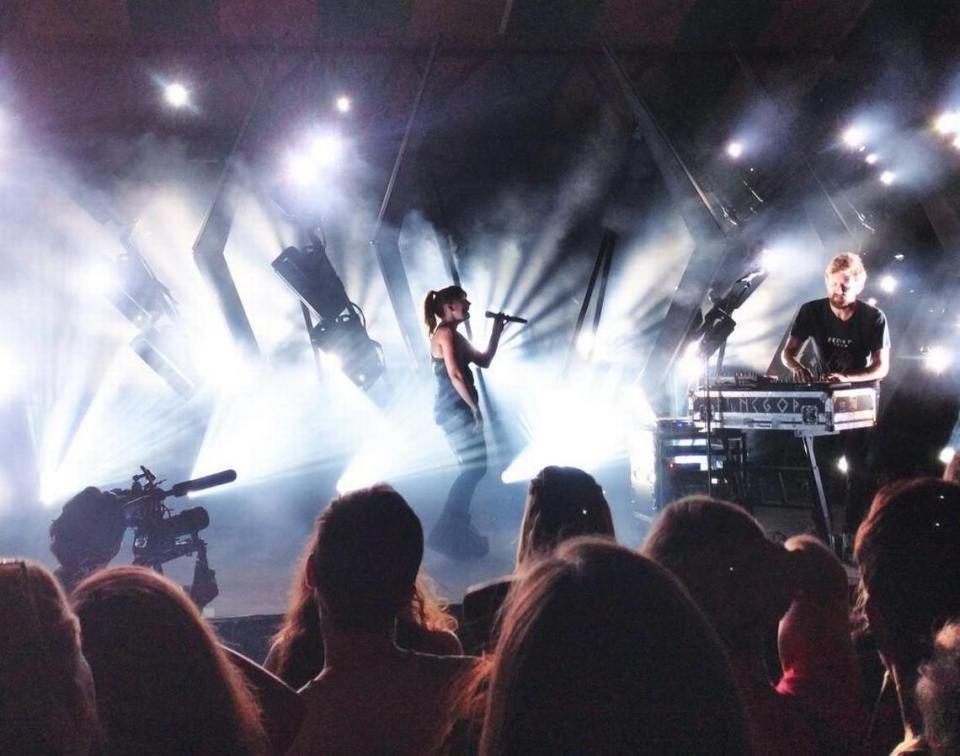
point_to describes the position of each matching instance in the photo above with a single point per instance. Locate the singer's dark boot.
(454, 536)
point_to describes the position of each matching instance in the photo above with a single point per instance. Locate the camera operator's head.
(87, 534)
(366, 554)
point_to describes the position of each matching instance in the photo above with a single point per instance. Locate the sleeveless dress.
(455, 417)
(448, 405)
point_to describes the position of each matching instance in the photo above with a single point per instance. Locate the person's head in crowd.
(741, 579)
(819, 617)
(365, 559)
(603, 652)
(87, 534)
(908, 551)
(47, 702)
(938, 693)
(163, 683)
(296, 654)
(562, 502)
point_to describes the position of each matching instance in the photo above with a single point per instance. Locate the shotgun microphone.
(507, 318)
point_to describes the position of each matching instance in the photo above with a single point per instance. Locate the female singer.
(457, 411)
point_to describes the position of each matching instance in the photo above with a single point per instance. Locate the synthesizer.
(808, 409)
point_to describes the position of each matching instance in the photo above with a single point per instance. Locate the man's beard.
(838, 301)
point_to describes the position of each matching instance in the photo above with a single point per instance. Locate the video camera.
(89, 531)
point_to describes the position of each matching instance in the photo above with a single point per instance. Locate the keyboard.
(808, 409)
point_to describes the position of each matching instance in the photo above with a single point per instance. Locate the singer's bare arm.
(445, 338)
(483, 359)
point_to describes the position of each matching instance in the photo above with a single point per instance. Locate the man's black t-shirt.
(841, 345)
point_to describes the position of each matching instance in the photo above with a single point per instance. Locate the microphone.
(207, 481)
(508, 318)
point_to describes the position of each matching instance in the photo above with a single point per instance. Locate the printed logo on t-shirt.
(839, 343)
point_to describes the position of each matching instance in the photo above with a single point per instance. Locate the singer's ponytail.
(429, 314)
(434, 302)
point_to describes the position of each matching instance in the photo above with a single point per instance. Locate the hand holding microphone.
(502, 316)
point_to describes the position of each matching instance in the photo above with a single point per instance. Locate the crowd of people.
(709, 639)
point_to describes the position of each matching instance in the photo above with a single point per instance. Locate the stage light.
(176, 95)
(872, 301)
(331, 362)
(855, 137)
(591, 432)
(887, 178)
(936, 359)
(734, 149)
(888, 284)
(843, 466)
(946, 454)
(301, 170)
(101, 278)
(948, 122)
(899, 257)
(692, 364)
(585, 344)
(341, 330)
(871, 158)
(326, 149)
(774, 260)
(343, 104)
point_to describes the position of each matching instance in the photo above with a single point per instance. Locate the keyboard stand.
(831, 538)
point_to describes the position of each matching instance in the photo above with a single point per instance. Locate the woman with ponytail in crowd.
(457, 411)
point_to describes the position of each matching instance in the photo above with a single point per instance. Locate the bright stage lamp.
(100, 277)
(774, 260)
(887, 178)
(843, 466)
(176, 95)
(946, 454)
(331, 361)
(872, 301)
(735, 150)
(948, 122)
(326, 149)
(300, 170)
(854, 137)
(871, 159)
(692, 364)
(937, 359)
(343, 104)
(888, 284)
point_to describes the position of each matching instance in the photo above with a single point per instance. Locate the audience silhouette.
(562, 502)
(908, 552)
(164, 685)
(744, 584)
(47, 702)
(820, 667)
(938, 693)
(371, 697)
(600, 650)
(603, 652)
